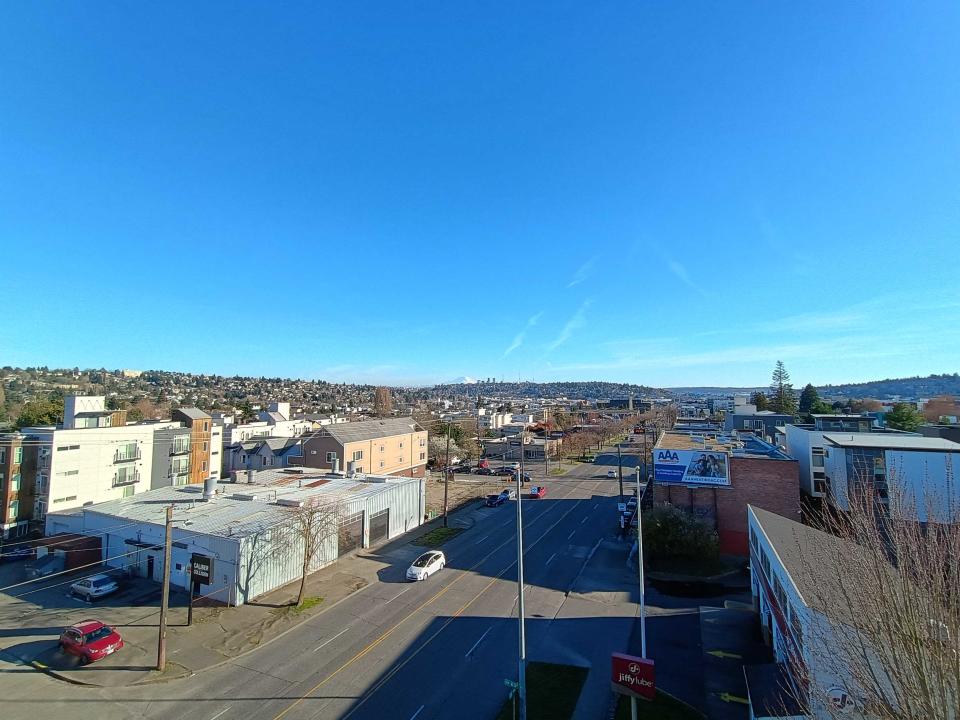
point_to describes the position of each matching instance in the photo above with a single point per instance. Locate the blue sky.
(654, 192)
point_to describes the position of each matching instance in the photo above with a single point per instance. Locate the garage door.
(379, 526)
(351, 534)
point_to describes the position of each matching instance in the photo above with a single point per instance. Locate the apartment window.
(14, 510)
(423, 442)
(423, 456)
(400, 459)
(67, 473)
(3, 456)
(204, 447)
(71, 498)
(381, 448)
(203, 466)
(331, 456)
(206, 426)
(15, 482)
(358, 454)
(381, 463)
(17, 455)
(128, 491)
(401, 444)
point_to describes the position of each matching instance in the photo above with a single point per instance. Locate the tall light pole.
(643, 606)
(522, 657)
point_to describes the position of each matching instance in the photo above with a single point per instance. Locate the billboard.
(691, 467)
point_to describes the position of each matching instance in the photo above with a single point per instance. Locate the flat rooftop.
(891, 441)
(738, 445)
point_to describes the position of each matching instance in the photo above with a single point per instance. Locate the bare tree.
(888, 591)
(316, 525)
(382, 402)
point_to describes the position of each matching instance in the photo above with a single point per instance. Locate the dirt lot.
(463, 489)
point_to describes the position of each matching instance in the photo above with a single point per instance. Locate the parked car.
(426, 565)
(538, 491)
(90, 641)
(463, 469)
(503, 470)
(16, 553)
(511, 493)
(500, 499)
(525, 478)
(611, 473)
(94, 587)
(484, 471)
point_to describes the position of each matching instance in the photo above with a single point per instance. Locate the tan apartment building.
(389, 446)
(204, 454)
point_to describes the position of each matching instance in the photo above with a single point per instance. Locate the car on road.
(426, 565)
(483, 471)
(496, 500)
(611, 473)
(504, 470)
(525, 478)
(90, 641)
(538, 491)
(94, 587)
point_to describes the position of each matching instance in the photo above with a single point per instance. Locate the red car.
(538, 491)
(90, 640)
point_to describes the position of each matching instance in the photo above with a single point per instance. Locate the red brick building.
(715, 476)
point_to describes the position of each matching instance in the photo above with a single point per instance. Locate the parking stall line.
(419, 710)
(478, 641)
(327, 642)
(397, 595)
(221, 712)
(477, 542)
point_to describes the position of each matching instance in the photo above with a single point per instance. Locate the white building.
(248, 529)
(913, 476)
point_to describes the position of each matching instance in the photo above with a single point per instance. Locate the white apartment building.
(91, 459)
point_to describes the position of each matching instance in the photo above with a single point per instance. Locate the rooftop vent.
(244, 496)
(290, 502)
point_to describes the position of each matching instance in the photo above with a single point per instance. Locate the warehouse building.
(252, 531)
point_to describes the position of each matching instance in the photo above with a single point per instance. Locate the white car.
(611, 473)
(426, 565)
(93, 587)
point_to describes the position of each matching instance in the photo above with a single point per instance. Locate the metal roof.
(891, 441)
(369, 429)
(193, 413)
(230, 516)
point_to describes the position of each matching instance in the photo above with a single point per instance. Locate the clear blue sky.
(658, 192)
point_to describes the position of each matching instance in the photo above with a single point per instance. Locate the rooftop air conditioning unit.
(244, 496)
(290, 502)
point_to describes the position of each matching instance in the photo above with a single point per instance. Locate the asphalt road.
(414, 651)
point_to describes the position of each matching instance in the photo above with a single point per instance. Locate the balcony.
(123, 479)
(122, 456)
(180, 449)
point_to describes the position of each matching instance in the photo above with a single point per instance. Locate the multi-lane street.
(408, 650)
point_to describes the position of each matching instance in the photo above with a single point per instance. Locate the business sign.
(690, 467)
(201, 569)
(632, 676)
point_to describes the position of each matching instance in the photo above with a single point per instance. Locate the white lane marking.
(571, 534)
(596, 506)
(551, 559)
(584, 520)
(397, 595)
(478, 641)
(327, 642)
(419, 710)
(221, 712)
(481, 539)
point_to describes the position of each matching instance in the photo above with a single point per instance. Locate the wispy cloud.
(522, 335)
(683, 276)
(577, 320)
(583, 273)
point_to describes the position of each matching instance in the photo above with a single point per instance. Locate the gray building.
(249, 529)
(171, 457)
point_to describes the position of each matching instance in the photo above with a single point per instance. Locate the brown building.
(200, 441)
(389, 446)
(18, 471)
(715, 476)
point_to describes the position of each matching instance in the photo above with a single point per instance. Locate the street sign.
(632, 676)
(201, 569)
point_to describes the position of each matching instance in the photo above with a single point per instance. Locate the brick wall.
(773, 485)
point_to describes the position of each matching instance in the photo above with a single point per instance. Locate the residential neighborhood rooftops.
(891, 441)
(370, 429)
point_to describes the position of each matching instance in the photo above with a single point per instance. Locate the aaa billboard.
(690, 467)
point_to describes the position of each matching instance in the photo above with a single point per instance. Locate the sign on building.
(632, 676)
(201, 569)
(691, 467)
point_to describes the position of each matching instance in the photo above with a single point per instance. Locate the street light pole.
(620, 472)
(522, 659)
(643, 607)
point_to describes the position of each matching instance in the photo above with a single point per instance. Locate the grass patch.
(558, 471)
(437, 537)
(552, 692)
(308, 602)
(663, 707)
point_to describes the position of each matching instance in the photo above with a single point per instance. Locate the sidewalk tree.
(316, 526)
(904, 416)
(781, 398)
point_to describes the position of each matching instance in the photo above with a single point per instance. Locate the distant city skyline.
(670, 195)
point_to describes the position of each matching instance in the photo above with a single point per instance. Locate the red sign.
(632, 676)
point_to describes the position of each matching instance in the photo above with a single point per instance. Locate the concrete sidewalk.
(218, 634)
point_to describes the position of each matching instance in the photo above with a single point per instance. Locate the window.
(423, 456)
(65, 473)
(17, 455)
(381, 463)
(423, 442)
(331, 456)
(15, 482)
(818, 461)
(14, 510)
(358, 454)
(65, 499)
(399, 459)
(204, 447)
(401, 444)
(3, 456)
(381, 448)
(128, 490)
(203, 466)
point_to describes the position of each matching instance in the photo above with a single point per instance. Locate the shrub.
(669, 532)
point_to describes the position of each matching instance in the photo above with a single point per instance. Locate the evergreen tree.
(759, 399)
(781, 398)
(808, 398)
(904, 416)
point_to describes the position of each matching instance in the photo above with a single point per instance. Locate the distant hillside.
(573, 390)
(914, 387)
(710, 391)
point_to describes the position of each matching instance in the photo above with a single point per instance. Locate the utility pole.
(522, 658)
(620, 472)
(165, 595)
(643, 607)
(446, 477)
